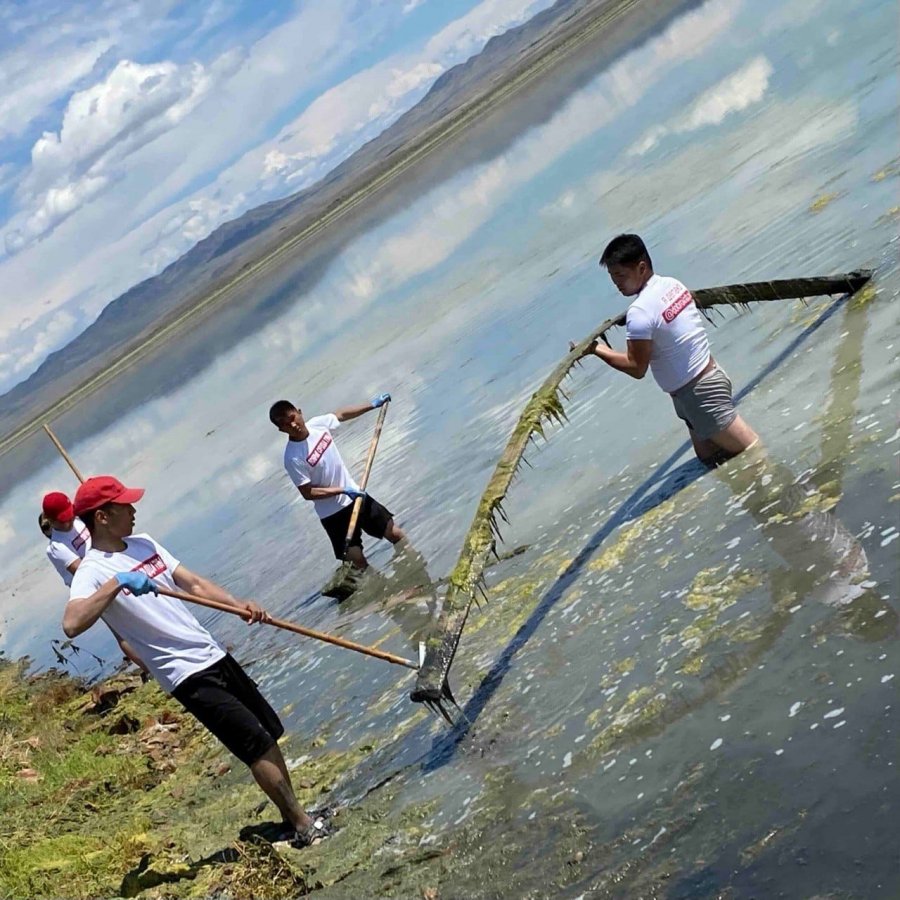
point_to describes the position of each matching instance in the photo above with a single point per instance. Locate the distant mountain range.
(204, 277)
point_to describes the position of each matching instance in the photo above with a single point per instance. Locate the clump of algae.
(710, 590)
(641, 710)
(822, 202)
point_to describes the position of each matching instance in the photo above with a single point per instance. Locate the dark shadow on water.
(665, 482)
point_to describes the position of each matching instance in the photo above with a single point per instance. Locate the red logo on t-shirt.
(318, 451)
(80, 539)
(151, 567)
(678, 305)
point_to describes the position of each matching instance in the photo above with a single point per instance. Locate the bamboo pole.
(291, 626)
(278, 623)
(370, 459)
(62, 452)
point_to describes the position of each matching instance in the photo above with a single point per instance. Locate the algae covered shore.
(113, 790)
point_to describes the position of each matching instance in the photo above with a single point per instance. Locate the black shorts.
(373, 519)
(227, 701)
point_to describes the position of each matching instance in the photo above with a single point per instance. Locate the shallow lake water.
(688, 678)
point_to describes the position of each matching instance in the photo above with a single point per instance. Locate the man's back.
(664, 312)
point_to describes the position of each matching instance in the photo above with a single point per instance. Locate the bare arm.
(72, 566)
(193, 583)
(346, 413)
(308, 492)
(634, 361)
(82, 612)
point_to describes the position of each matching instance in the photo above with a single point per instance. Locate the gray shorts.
(706, 405)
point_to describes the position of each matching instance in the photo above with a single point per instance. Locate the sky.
(131, 129)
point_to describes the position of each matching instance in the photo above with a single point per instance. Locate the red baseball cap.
(58, 506)
(103, 489)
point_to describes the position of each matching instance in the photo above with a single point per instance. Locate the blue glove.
(380, 400)
(353, 494)
(136, 582)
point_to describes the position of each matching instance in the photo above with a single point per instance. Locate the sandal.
(320, 829)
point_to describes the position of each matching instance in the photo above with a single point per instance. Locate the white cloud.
(37, 342)
(101, 127)
(714, 174)
(108, 244)
(35, 75)
(93, 249)
(358, 109)
(739, 90)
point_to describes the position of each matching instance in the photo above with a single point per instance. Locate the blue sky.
(130, 129)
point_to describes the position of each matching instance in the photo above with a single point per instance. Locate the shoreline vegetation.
(546, 52)
(113, 790)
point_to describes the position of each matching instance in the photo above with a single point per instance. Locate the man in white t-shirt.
(110, 584)
(315, 466)
(69, 539)
(665, 333)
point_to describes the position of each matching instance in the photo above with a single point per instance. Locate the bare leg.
(356, 556)
(271, 774)
(736, 438)
(394, 534)
(705, 450)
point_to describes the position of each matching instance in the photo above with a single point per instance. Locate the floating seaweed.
(466, 582)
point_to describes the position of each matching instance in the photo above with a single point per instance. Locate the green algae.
(638, 714)
(78, 826)
(118, 814)
(709, 590)
(822, 202)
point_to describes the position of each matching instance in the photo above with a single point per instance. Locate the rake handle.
(63, 453)
(296, 629)
(370, 459)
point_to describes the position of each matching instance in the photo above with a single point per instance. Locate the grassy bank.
(115, 791)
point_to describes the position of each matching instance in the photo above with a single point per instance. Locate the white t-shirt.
(164, 634)
(664, 312)
(67, 546)
(316, 461)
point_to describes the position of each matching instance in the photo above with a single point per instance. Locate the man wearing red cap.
(69, 539)
(178, 651)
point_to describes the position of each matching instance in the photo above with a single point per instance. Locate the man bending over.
(665, 333)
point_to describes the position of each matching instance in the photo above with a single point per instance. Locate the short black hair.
(88, 516)
(44, 525)
(625, 250)
(280, 409)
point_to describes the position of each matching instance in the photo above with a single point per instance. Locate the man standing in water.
(665, 333)
(315, 466)
(178, 651)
